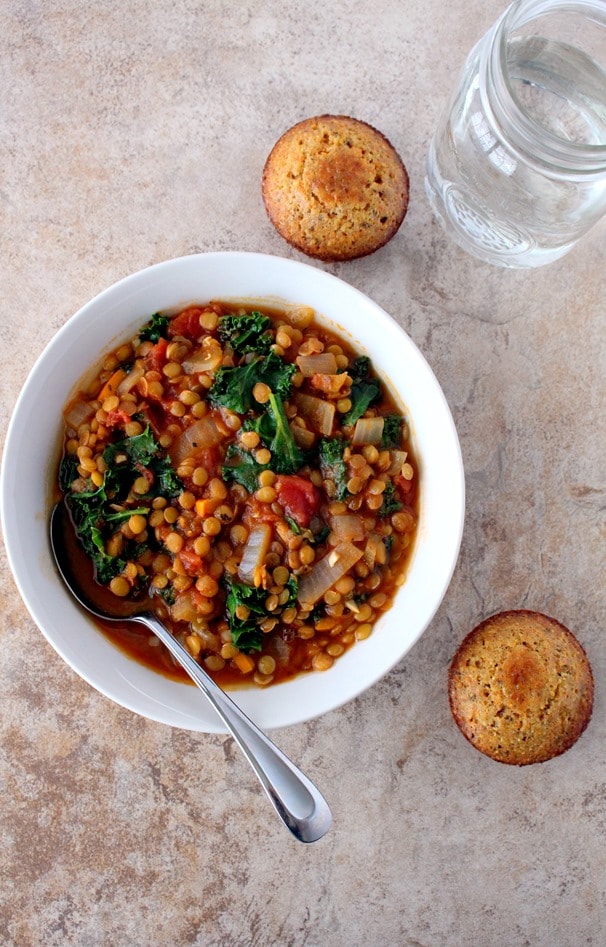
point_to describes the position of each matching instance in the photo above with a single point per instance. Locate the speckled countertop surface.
(134, 131)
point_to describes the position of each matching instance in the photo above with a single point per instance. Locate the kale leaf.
(125, 514)
(333, 466)
(275, 433)
(88, 514)
(68, 471)
(246, 333)
(277, 374)
(167, 483)
(155, 329)
(322, 534)
(392, 431)
(245, 632)
(140, 452)
(232, 387)
(137, 449)
(293, 587)
(90, 534)
(93, 511)
(359, 369)
(365, 390)
(263, 425)
(287, 458)
(168, 594)
(242, 468)
(391, 502)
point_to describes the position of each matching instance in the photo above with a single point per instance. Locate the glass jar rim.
(528, 135)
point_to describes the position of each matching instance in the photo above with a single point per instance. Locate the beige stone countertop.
(136, 131)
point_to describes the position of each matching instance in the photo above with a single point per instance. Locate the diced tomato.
(156, 359)
(187, 324)
(192, 562)
(404, 486)
(256, 512)
(298, 497)
(159, 417)
(116, 417)
(330, 384)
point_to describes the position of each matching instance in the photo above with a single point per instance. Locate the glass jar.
(516, 171)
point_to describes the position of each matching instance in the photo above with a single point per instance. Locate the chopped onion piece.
(184, 608)
(78, 413)
(303, 437)
(255, 551)
(323, 364)
(345, 528)
(368, 431)
(398, 459)
(326, 572)
(206, 358)
(370, 552)
(201, 434)
(320, 413)
(281, 650)
(128, 383)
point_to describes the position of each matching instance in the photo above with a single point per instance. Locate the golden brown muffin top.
(521, 688)
(335, 188)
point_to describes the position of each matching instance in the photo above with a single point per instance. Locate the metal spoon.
(297, 801)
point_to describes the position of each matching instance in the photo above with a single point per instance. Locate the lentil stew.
(250, 475)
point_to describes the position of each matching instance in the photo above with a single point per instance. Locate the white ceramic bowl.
(32, 450)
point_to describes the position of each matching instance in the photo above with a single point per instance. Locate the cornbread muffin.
(521, 688)
(335, 188)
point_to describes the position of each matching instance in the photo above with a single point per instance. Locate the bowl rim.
(128, 285)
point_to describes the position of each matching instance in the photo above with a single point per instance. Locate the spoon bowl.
(297, 801)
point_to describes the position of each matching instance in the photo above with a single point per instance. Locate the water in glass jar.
(499, 203)
(560, 87)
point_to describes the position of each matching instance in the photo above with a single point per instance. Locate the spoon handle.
(297, 801)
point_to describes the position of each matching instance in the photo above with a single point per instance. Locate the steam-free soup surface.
(248, 477)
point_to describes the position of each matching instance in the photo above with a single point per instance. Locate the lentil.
(261, 392)
(137, 524)
(266, 664)
(250, 439)
(262, 456)
(266, 494)
(120, 586)
(211, 526)
(322, 661)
